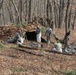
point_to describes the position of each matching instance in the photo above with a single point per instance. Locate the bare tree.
(73, 25)
(16, 12)
(61, 12)
(20, 7)
(1, 3)
(29, 13)
(66, 22)
(8, 5)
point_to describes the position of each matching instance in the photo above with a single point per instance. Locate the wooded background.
(61, 12)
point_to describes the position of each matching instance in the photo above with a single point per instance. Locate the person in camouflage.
(38, 35)
(48, 34)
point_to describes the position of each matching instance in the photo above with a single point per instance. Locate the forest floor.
(30, 61)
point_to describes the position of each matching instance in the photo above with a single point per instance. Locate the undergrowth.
(20, 25)
(2, 46)
(73, 72)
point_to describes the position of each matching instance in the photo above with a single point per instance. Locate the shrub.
(20, 25)
(2, 45)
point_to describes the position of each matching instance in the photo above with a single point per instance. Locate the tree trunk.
(66, 23)
(73, 25)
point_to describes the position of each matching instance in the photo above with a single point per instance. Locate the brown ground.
(29, 61)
